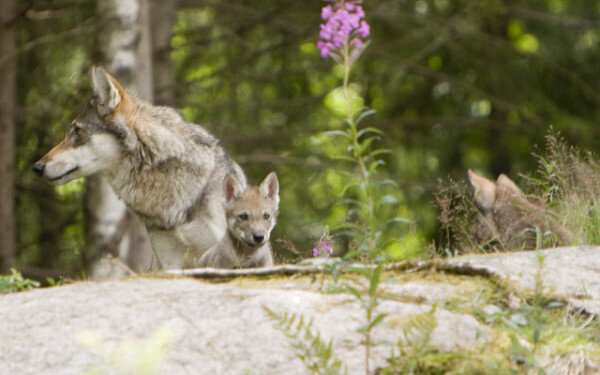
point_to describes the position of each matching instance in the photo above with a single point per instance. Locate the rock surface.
(220, 329)
(213, 328)
(573, 272)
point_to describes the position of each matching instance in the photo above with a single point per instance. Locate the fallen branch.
(288, 269)
(341, 267)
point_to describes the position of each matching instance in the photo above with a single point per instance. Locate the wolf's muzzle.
(38, 168)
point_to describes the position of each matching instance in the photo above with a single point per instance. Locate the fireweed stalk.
(343, 38)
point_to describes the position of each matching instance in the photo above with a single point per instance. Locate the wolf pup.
(509, 217)
(168, 171)
(251, 216)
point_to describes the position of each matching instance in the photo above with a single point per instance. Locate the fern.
(307, 343)
(415, 346)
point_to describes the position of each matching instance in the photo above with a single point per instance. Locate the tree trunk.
(125, 50)
(8, 72)
(164, 14)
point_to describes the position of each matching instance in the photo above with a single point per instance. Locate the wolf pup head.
(508, 216)
(93, 142)
(252, 213)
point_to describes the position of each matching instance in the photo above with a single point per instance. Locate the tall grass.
(569, 181)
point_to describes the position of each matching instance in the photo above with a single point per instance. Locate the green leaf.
(378, 319)
(366, 143)
(369, 130)
(336, 133)
(398, 220)
(354, 292)
(373, 166)
(343, 157)
(348, 186)
(386, 182)
(388, 199)
(383, 151)
(375, 281)
(353, 201)
(364, 115)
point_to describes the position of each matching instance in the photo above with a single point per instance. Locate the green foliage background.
(457, 85)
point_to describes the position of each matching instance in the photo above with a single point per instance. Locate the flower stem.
(358, 153)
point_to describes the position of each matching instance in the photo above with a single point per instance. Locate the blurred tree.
(8, 72)
(163, 16)
(125, 49)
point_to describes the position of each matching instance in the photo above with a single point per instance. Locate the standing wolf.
(251, 216)
(168, 171)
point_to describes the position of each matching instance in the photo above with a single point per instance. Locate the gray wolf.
(251, 216)
(509, 218)
(168, 171)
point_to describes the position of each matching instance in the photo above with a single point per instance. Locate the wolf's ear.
(485, 191)
(269, 188)
(108, 91)
(233, 189)
(508, 186)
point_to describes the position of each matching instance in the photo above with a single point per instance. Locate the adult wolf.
(168, 171)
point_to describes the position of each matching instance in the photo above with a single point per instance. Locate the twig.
(119, 263)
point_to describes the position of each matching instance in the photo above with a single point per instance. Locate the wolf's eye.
(266, 216)
(76, 129)
(243, 216)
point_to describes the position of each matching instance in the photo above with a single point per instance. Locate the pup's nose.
(38, 168)
(258, 238)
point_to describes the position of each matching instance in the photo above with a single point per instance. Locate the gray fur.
(168, 171)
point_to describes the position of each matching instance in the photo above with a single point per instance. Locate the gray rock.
(570, 271)
(491, 312)
(217, 329)
(426, 292)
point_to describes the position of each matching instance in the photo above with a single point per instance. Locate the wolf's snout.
(38, 168)
(258, 238)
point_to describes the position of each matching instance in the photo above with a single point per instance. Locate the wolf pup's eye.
(266, 216)
(243, 216)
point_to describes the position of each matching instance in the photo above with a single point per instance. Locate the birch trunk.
(125, 50)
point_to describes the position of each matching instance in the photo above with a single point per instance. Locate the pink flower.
(343, 32)
(323, 246)
(326, 12)
(325, 48)
(359, 11)
(364, 29)
(325, 32)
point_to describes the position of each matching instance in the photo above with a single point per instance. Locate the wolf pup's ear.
(233, 189)
(485, 191)
(269, 188)
(108, 91)
(507, 186)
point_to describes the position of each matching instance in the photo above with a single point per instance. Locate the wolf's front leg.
(168, 250)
